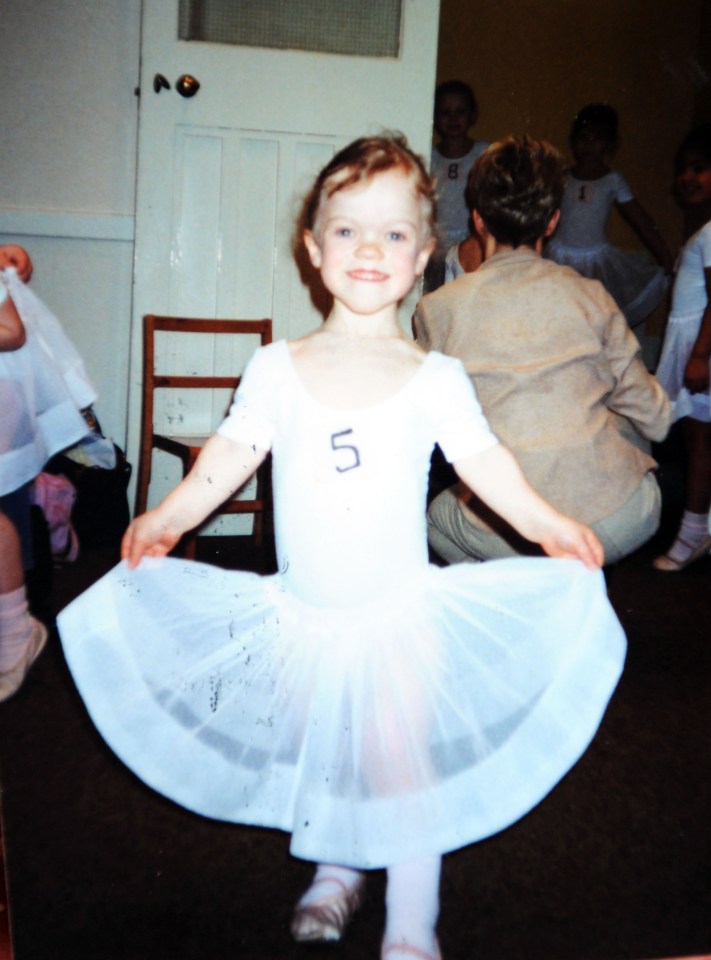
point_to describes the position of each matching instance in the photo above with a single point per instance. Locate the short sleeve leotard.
(580, 241)
(451, 176)
(377, 708)
(689, 301)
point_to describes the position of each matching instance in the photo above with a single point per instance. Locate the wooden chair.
(169, 365)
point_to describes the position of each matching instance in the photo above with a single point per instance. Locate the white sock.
(15, 628)
(322, 886)
(412, 905)
(693, 530)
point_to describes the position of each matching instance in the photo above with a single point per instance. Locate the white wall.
(68, 111)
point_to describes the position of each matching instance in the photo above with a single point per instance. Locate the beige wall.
(534, 63)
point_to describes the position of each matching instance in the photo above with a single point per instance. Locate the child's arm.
(12, 255)
(12, 329)
(696, 374)
(496, 477)
(223, 466)
(647, 231)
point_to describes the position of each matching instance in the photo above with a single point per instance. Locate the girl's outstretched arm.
(696, 374)
(647, 231)
(221, 469)
(497, 478)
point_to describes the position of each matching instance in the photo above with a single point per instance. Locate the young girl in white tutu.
(580, 241)
(381, 710)
(684, 364)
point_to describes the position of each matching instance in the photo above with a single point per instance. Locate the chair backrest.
(195, 354)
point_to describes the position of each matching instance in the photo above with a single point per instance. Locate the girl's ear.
(424, 255)
(552, 224)
(313, 249)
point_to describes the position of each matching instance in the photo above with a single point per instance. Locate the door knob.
(186, 85)
(160, 83)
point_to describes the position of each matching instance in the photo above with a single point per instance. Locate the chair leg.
(144, 480)
(190, 546)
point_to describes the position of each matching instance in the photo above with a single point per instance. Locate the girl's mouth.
(369, 276)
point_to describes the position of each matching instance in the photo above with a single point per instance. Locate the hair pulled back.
(358, 163)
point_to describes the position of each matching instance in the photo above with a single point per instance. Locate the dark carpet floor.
(614, 864)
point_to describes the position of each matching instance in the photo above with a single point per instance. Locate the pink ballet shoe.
(399, 951)
(327, 918)
(11, 680)
(667, 564)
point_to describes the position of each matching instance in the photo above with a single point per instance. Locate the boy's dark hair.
(599, 115)
(698, 141)
(516, 186)
(458, 88)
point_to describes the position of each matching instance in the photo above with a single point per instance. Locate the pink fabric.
(56, 495)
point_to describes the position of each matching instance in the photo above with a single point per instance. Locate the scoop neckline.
(349, 410)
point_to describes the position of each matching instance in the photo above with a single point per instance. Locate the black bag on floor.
(100, 515)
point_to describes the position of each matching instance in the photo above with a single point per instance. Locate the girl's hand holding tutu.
(12, 255)
(570, 539)
(221, 469)
(149, 535)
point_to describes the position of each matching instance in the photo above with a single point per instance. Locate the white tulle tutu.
(43, 387)
(378, 734)
(679, 339)
(635, 283)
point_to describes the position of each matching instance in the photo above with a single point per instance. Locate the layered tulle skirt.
(434, 717)
(679, 339)
(43, 387)
(634, 281)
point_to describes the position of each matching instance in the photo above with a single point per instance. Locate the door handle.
(186, 85)
(160, 83)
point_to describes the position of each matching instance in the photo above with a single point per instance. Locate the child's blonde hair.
(359, 162)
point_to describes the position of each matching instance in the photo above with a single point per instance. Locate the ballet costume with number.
(636, 283)
(451, 174)
(377, 708)
(689, 301)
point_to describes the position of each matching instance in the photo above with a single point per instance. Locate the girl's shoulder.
(701, 241)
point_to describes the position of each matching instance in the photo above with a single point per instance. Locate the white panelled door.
(221, 173)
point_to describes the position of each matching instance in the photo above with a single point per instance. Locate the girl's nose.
(370, 248)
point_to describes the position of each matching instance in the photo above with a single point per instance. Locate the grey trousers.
(455, 539)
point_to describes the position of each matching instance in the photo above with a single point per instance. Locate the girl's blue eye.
(396, 235)
(344, 232)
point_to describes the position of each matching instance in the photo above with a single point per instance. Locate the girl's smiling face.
(693, 179)
(370, 242)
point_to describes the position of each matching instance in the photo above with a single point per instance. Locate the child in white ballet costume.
(580, 241)
(381, 710)
(685, 364)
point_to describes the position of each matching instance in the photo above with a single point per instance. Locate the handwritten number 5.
(352, 455)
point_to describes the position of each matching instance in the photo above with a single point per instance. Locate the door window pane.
(369, 28)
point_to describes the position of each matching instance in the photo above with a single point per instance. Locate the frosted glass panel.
(369, 28)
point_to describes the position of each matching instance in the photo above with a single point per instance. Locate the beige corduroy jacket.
(555, 366)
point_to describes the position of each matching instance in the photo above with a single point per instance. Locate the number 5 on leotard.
(345, 446)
